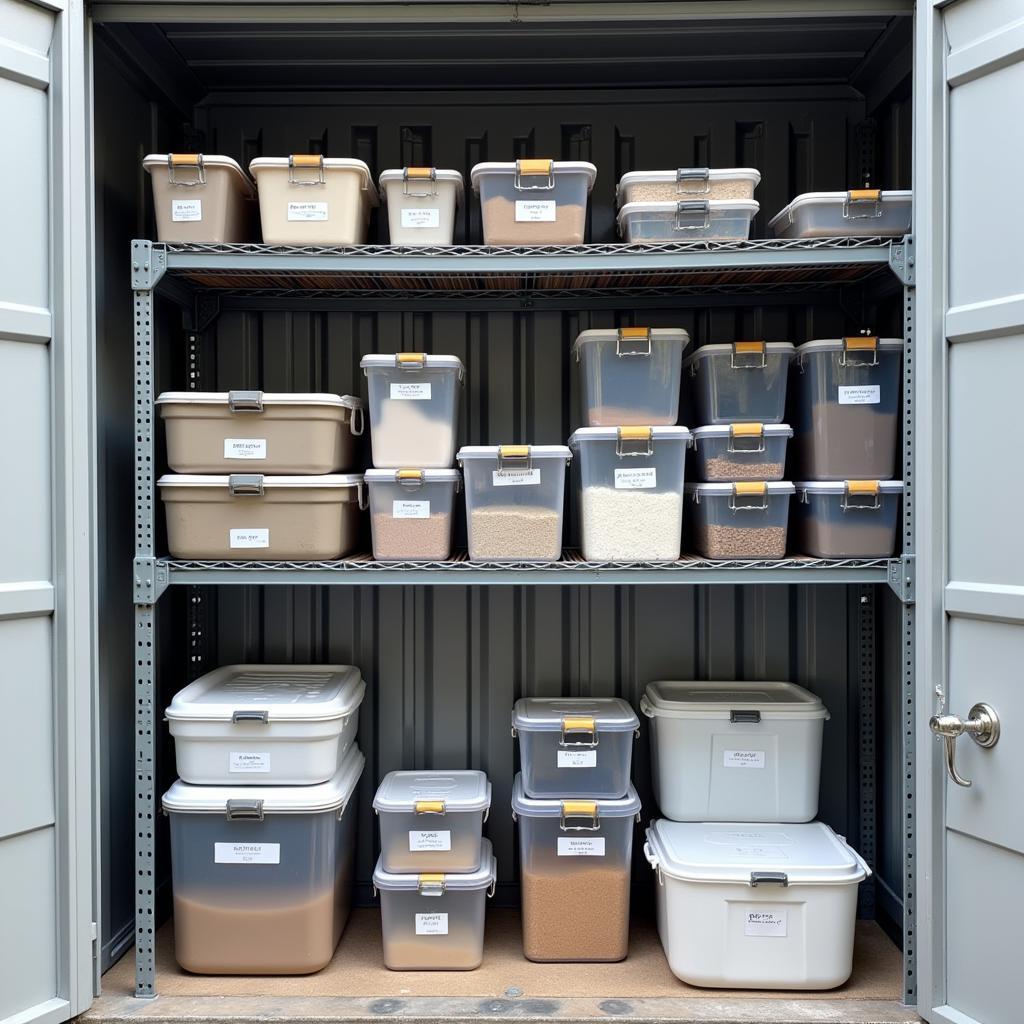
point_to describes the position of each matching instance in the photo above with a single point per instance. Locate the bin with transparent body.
(847, 518)
(740, 451)
(863, 211)
(687, 220)
(746, 519)
(687, 183)
(740, 382)
(411, 513)
(421, 204)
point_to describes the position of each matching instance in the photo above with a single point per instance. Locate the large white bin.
(421, 204)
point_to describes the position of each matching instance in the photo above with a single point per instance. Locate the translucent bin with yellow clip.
(859, 211)
(741, 451)
(739, 382)
(421, 204)
(746, 519)
(411, 513)
(847, 518)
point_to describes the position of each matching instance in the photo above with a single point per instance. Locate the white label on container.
(635, 479)
(869, 394)
(307, 211)
(534, 211)
(247, 853)
(417, 218)
(577, 759)
(580, 846)
(411, 392)
(249, 538)
(770, 923)
(515, 477)
(252, 762)
(410, 510)
(431, 924)
(743, 758)
(245, 447)
(186, 209)
(436, 841)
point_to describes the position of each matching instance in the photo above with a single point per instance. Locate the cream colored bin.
(314, 200)
(421, 204)
(248, 516)
(233, 431)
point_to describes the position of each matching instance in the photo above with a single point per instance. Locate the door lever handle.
(982, 725)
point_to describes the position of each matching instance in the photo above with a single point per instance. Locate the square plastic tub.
(414, 408)
(687, 220)
(630, 375)
(309, 199)
(265, 725)
(848, 518)
(515, 499)
(432, 821)
(682, 183)
(262, 877)
(421, 203)
(248, 516)
(847, 422)
(575, 747)
(740, 520)
(631, 492)
(741, 382)
(221, 432)
(735, 751)
(534, 202)
(411, 513)
(575, 857)
(741, 451)
(199, 198)
(756, 906)
(864, 211)
(435, 921)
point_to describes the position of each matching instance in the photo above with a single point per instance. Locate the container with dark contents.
(864, 212)
(739, 520)
(683, 183)
(687, 220)
(741, 382)
(847, 518)
(741, 451)
(411, 513)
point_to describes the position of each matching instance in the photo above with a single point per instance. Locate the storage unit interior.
(814, 103)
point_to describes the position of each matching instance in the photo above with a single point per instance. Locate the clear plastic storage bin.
(435, 922)
(630, 375)
(741, 451)
(739, 520)
(575, 746)
(575, 857)
(671, 186)
(687, 220)
(421, 204)
(631, 492)
(863, 211)
(848, 518)
(515, 495)
(411, 513)
(262, 877)
(742, 382)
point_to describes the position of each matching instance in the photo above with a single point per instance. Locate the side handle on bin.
(245, 401)
(652, 859)
(768, 878)
(361, 496)
(357, 421)
(646, 708)
(251, 715)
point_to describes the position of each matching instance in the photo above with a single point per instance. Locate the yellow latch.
(410, 474)
(634, 332)
(864, 195)
(579, 808)
(429, 807)
(748, 346)
(306, 159)
(862, 343)
(579, 723)
(410, 358)
(635, 433)
(419, 172)
(747, 429)
(862, 487)
(532, 168)
(514, 451)
(185, 159)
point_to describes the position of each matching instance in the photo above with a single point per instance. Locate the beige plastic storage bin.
(314, 200)
(421, 204)
(687, 183)
(228, 431)
(248, 516)
(201, 198)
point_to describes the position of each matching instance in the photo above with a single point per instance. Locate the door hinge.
(150, 578)
(902, 578)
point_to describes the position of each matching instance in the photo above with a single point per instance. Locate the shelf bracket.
(902, 578)
(148, 265)
(901, 260)
(150, 579)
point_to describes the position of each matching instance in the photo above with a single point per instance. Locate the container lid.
(266, 482)
(190, 163)
(725, 429)
(896, 197)
(696, 175)
(575, 716)
(840, 486)
(258, 398)
(311, 163)
(435, 884)
(428, 476)
(278, 693)
(750, 206)
(433, 792)
(807, 854)
(632, 340)
(628, 433)
(730, 700)
(747, 351)
(724, 489)
(255, 801)
(524, 451)
(419, 177)
(412, 361)
(535, 168)
(859, 342)
(528, 807)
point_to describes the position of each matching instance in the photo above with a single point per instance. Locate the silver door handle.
(982, 726)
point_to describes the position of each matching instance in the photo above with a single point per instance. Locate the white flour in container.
(631, 526)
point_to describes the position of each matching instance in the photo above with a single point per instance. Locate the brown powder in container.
(412, 539)
(520, 532)
(723, 468)
(715, 541)
(849, 442)
(502, 228)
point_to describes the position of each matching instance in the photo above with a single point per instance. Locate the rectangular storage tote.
(421, 203)
(747, 519)
(265, 725)
(435, 921)
(687, 220)
(741, 451)
(756, 906)
(741, 382)
(411, 513)
(848, 518)
(262, 876)
(687, 183)
(735, 751)
(860, 211)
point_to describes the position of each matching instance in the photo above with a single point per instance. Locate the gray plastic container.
(687, 220)
(847, 518)
(741, 382)
(739, 520)
(864, 211)
(741, 451)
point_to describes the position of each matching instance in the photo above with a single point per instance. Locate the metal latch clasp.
(534, 169)
(298, 161)
(750, 716)
(746, 437)
(429, 807)
(579, 725)
(749, 496)
(861, 494)
(514, 457)
(769, 878)
(582, 811)
(193, 161)
(244, 810)
(251, 715)
(748, 355)
(633, 341)
(431, 885)
(701, 175)
(866, 345)
(245, 484)
(862, 203)
(693, 215)
(419, 174)
(245, 401)
(982, 725)
(634, 441)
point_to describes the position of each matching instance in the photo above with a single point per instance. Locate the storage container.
(247, 516)
(421, 203)
(741, 451)
(687, 220)
(863, 211)
(199, 198)
(631, 492)
(575, 746)
(265, 725)
(310, 199)
(218, 432)
(414, 408)
(756, 906)
(630, 375)
(411, 513)
(262, 876)
(432, 821)
(515, 496)
(435, 921)
(534, 202)
(847, 408)
(741, 382)
(847, 518)
(735, 751)
(575, 857)
(671, 186)
(739, 520)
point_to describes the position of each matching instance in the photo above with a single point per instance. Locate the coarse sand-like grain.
(514, 532)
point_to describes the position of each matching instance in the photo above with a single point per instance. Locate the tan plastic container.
(247, 516)
(683, 183)
(421, 204)
(313, 199)
(201, 198)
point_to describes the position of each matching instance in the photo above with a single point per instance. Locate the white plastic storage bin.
(199, 198)
(575, 746)
(735, 751)
(631, 492)
(747, 519)
(435, 921)
(432, 821)
(534, 202)
(414, 408)
(865, 211)
(262, 877)
(630, 375)
(265, 725)
(741, 382)
(421, 204)
(671, 186)
(847, 420)
(515, 498)
(687, 220)
(309, 199)
(411, 513)
(847, 518)
(741, 451)
(222, 432)
(575, 859)
(756, 906)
